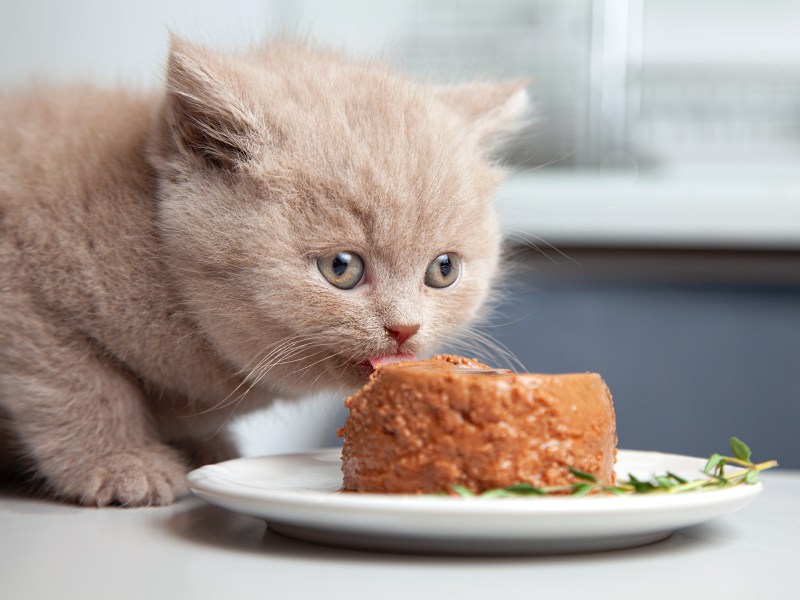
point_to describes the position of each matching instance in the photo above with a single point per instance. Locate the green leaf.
(462, 491)
(581, 489)
(740, 449)
(751, 477)
(612, 489)
(525, 489)
(712, 463)
(664, 481)
(582, 474)
(640, 487)
(495, 493)
(676, 477)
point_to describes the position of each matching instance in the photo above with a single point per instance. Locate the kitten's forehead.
(375, 160)
(405, 170)
(395, 212)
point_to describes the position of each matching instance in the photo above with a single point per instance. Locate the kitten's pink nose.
(401, 332)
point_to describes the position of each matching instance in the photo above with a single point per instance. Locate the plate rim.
(210, 481)
(454, 525)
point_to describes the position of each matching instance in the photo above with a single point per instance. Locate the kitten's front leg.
(83, 422)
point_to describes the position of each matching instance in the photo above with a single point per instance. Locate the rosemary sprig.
(667, 483)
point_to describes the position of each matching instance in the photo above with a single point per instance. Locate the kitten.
(279, 221)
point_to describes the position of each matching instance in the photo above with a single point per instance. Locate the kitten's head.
(322, 215)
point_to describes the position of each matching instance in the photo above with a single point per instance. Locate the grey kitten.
(268, 225)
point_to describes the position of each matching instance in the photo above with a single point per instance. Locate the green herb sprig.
(667, 483)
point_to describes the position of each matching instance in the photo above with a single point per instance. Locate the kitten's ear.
(492, 110)
(209, 117)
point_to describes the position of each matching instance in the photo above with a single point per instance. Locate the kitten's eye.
(342, 269)
(443, 270)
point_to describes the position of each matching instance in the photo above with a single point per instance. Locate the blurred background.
(654, 214)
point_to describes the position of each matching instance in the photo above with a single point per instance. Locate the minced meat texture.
(422, 427)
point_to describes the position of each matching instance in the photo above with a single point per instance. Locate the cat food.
(423, 427)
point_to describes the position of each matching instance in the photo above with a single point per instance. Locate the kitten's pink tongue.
(384, 359)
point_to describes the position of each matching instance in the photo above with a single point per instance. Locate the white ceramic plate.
(298, 495)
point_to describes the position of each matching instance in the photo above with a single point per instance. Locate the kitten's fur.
(158, 251)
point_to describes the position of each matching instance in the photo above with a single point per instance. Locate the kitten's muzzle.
(401, 333)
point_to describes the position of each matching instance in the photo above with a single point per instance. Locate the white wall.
(116, 41)
(722, 32)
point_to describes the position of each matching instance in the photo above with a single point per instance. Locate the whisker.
(238, 400)
(529, 244)
(483, 344)
(275, 357)
(522, 237)
(283, 362)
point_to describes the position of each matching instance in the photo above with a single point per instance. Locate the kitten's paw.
(142, 477)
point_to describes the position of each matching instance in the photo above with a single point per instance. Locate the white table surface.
(194, 550)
